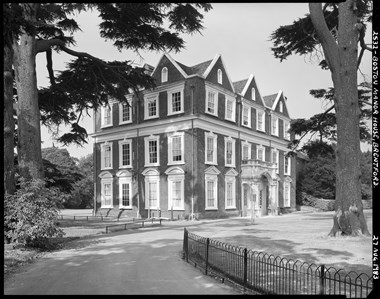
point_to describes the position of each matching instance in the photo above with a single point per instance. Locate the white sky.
(240, 32)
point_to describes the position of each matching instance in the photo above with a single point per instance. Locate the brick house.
(197, 145)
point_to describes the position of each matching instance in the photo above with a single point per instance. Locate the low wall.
(327, 204)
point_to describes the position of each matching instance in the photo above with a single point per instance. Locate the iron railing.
(262, 273)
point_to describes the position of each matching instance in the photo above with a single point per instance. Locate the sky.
(240, 32)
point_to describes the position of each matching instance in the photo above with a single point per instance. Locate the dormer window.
(164, 75)
(220, 76)
(281, 107)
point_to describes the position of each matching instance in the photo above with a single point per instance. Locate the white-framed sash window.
(125, 112)
(151, 106)
(260, 153)
(211, 101)
(230, 108)
(125, 153)
(152, 150)
(246, 119)
(106, 115)
(106, 155)
(175, 101)
(106, 190)
(176, 188)
(260, 124)
(210, 148)
(176, 148)
(229, 153)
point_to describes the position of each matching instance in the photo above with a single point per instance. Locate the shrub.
(30, 215)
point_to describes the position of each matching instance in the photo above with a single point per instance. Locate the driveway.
(140, 261)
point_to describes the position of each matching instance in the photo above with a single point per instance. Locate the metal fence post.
(207, 245)
(245, 268)
(185, 244)
(322, 281)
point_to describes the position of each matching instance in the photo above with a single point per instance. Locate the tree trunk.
(9, 125)
(342, 59)
(28, 114)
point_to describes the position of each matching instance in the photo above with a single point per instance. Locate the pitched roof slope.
(239, 85)
(198, 69)
(270, 99)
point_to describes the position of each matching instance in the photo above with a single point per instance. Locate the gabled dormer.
(248, 90)
(168, 71)
(216, 73)
(277, 103)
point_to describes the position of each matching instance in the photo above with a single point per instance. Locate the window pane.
(152, 107)
(245, 116)
(211, 102)
(229, 152)
(176, 102)
(126, 154)
(153, 151)
(126, 112)
(229, 194)
(177, 148)
(152, 194)
(229, 109)
(245, 152)
(125, 194)
(210, 194)
(210, 149)
(176, 194)
(107, 194)
(107, 156)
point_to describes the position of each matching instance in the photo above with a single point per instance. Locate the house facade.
(198, 145)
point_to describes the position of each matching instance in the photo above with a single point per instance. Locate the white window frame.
(253, 94)
(230, 178)
(176, 174)
(233, 154)
(248, 125)
(151, 176)
(233, 112)
(286, 128)
(147, 99)
(246, 144)
(106, 178)
(287, 170)
(125, 177)
(220, 76)
(215, 93)
(274, 125)
(103, 110)
(170, 101)
(260, 148)
(146, 150)
(214, 149)
(212, 178)
(121, 112)
(262, 113)
(170, 148)
(286, 193)
(121, 143)
(102, 155)
(164, 74)
(276, 159)
(281, 107)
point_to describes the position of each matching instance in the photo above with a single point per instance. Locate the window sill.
(106, 126)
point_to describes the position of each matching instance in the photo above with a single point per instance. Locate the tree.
(83, 193)
(339, 29)
(44, 27)
(62, 169)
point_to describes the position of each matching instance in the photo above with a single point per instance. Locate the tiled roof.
(239, 85)
(196, 69)
(269, 100)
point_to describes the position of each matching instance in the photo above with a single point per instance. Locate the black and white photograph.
(191, 148)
